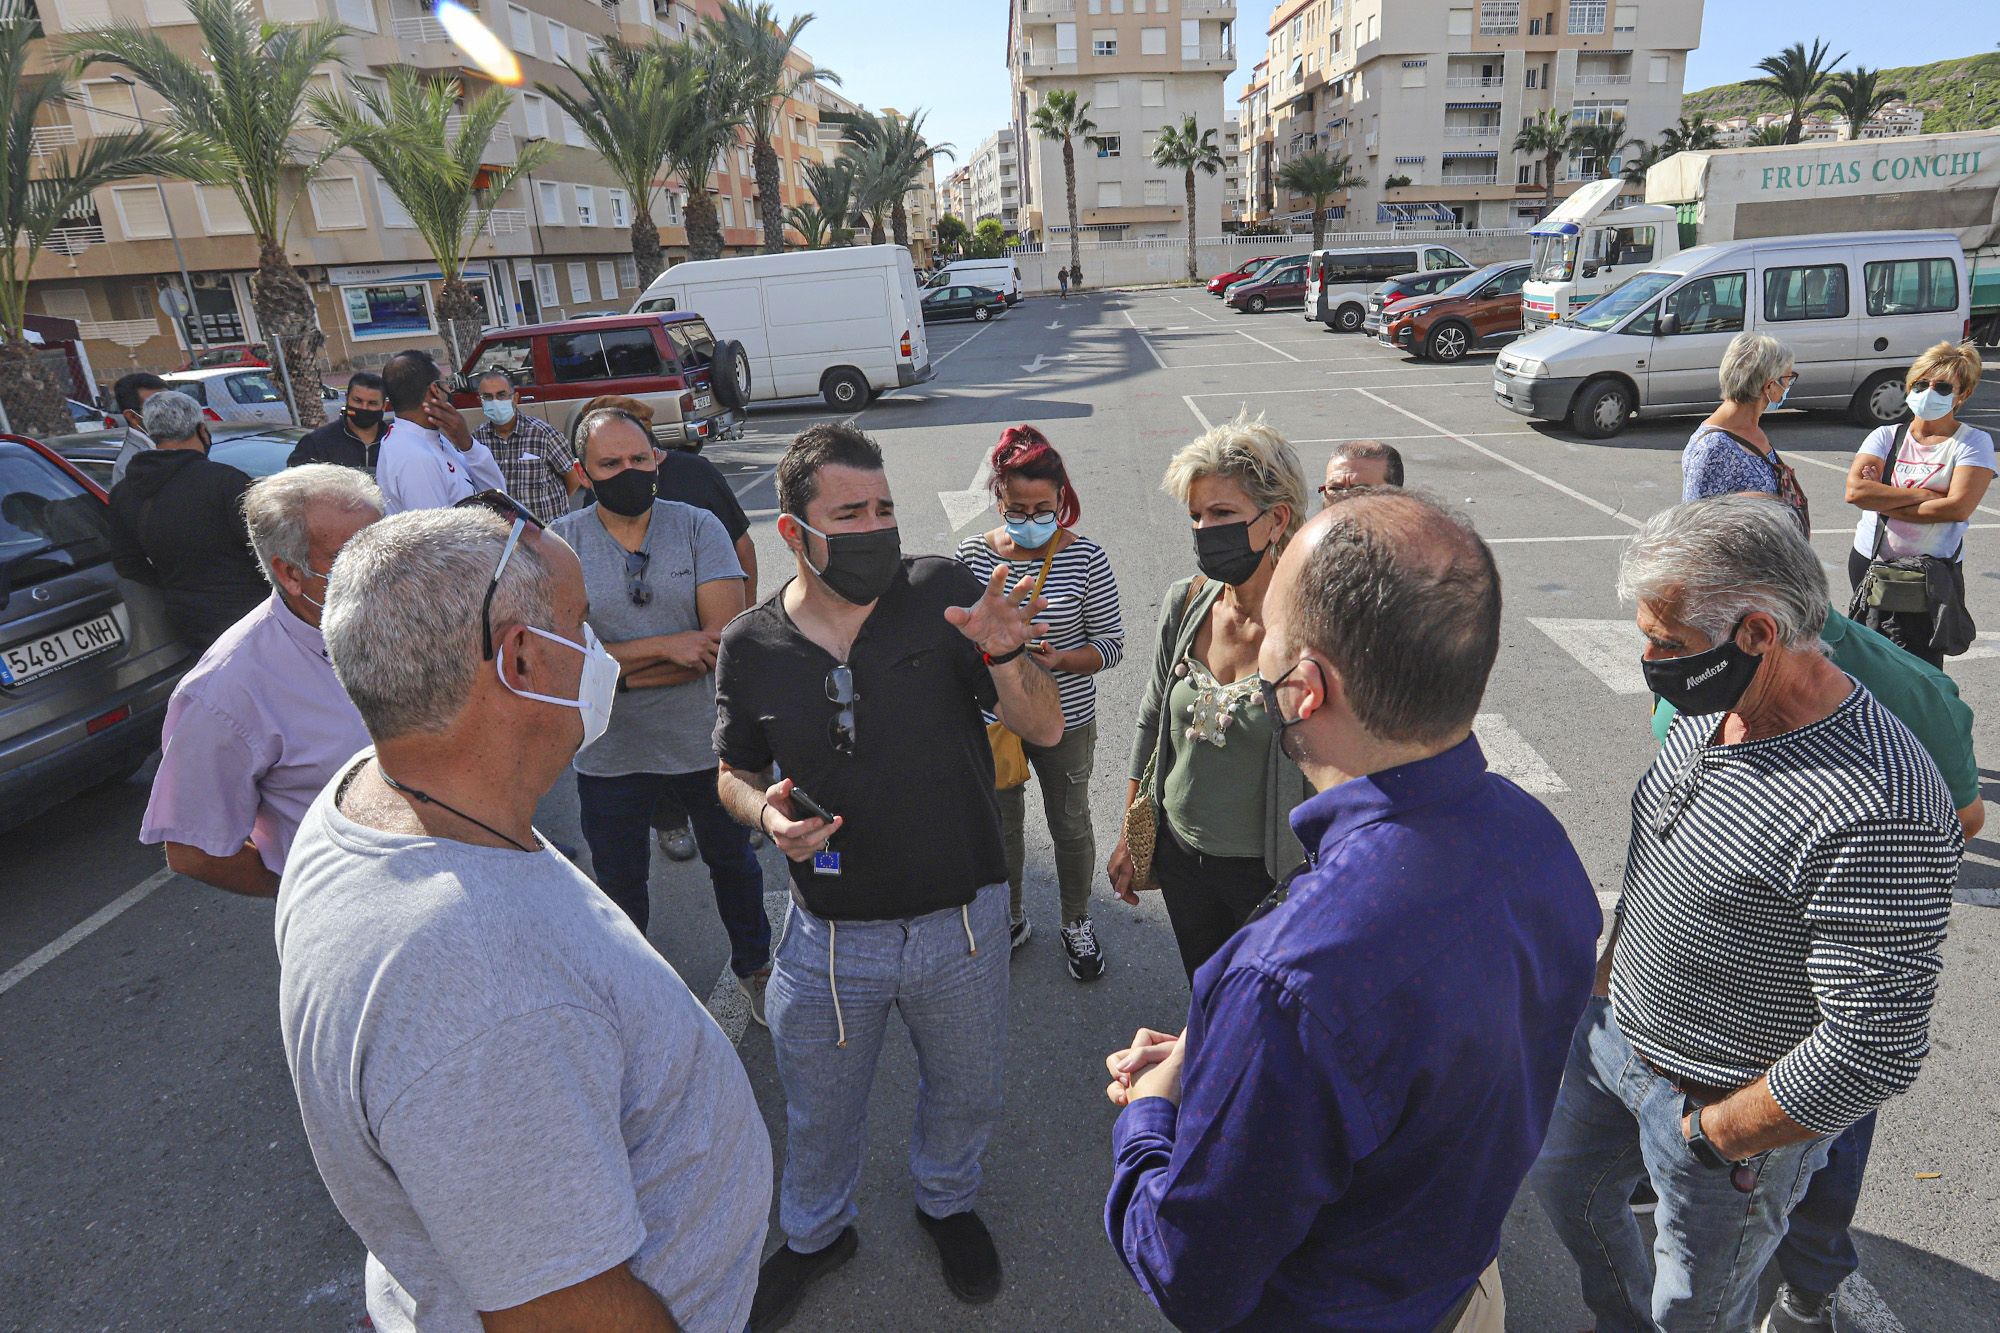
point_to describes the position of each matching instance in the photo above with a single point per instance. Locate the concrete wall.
(1142, 263)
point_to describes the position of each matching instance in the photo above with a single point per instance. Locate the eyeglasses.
(1023, 516)
(1339, 488)
(506, 506)
(635, 577)
(1789, 377)
(1942, 386)
(840, 690)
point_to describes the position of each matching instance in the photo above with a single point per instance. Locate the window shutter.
(141, 214)
(393, 212)
(336, 203)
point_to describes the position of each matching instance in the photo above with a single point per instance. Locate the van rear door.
(906, 319)
(1808, 305)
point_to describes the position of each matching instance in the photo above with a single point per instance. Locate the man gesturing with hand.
(862, 679)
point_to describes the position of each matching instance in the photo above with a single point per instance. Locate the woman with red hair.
(1038, 511)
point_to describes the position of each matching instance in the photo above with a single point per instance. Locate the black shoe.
(1018, 930)
(1086, 959)
(782, 1281)
(1796, 1310)
(1643, 1199)
(678, 843)
(965, 1247)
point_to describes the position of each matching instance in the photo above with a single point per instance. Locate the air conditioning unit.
(312, 273)
(206, 280)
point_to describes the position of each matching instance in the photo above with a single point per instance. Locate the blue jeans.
(617, 817)
(831, 978)
(1817, 1253)
(1616, 1121)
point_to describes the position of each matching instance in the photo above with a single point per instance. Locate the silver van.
(1855, 309)
(1339, 282)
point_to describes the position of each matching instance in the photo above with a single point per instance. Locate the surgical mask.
(1224, 553)
(1932, 404)
(629, 493)
(499, 411)
(595, 690)
(1788, 383)
(860, 566)
(1031, 533)
(1704, 683)
(316, 573)
(364, 418)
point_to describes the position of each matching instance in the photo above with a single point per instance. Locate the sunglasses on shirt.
(506, 506)
(840, 691)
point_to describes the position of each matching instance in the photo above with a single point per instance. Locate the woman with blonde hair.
(1206, 756)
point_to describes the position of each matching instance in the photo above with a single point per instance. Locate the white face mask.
(595, 691)
(1932, 405)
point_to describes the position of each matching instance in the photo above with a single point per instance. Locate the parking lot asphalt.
(153, 1174)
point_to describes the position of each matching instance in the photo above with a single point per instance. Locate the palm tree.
(832, 185)
(1601, 142)
(899, 158)
(715, 114)
(403, 130)
(241, 118)
(1546, 138)
(1854, 94)
(761, 49)
(811, 225)
(875, 185)
(1060, 116)
(1187, 148)
(1768, 136)
(633, 108)
(1690, 134)
(34, 204)
(1319, 176)
(1643, 159)
(1797, 77)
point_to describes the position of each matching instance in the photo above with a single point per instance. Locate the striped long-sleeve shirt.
(1082, 611)
(1784, 904)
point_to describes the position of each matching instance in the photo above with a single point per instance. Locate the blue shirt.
(1370, 1068)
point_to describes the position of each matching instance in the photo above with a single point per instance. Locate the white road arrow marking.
(1043, 362)
(1054, 324)
(1509, 754)
(961, 507)
(1607, 649)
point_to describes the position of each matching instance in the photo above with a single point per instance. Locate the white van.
(1339, 282)
(999, 275)
(842, 323)
(1855, 309)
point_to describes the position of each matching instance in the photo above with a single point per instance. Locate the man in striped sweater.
(1775, 952)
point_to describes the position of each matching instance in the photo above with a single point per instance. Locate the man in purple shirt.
(1369, 1064)
(260, 724)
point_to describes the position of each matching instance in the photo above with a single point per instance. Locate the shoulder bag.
(1142, 817)
(1890, 587)
(1010, 759)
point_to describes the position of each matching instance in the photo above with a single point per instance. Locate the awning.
(1454, 152)
(1469, 106)
(1414, 213)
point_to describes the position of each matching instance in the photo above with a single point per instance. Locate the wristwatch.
(1698, 1144)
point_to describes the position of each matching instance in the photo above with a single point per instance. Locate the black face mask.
(1223, 552)
(364, 418)
(629, 493)
(1276, 712)
(1706, 682)
(860, 566)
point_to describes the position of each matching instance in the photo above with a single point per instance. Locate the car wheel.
(1255, 305)
(1601, 409)
(729, 374)
(1880, 400)
(1448, 342)
(844, 390)
(1348, 318)
(981, 314)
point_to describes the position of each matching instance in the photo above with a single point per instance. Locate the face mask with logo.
(1704, 683)
(1031, 533)
(860, 566)
(499, 411)
(629, 493)
(595, 690)
(1932, 404)
(364, 418)
(1223, 552)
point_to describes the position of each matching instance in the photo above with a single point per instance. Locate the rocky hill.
(1962, 94)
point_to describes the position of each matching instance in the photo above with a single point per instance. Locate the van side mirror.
(1670, 324)
(1590, 270)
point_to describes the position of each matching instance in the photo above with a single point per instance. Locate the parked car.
(980, 303)
(87, 417)
(1403, 286)
(1482, 309)
(1279, 284)
(695, 383)
(87, 662)
(245, 394)
(1338, 281)
(1269, 265)
(232, 354)
(1000, 275)
(1219, 284)
(257, 451)
(1855, 309)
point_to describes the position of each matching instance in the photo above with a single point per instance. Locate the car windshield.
(49, 524)
(1614, 306)
(254, 455)
(1553, 258)
(1471, 282)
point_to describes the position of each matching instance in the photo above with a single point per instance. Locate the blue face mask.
(499, 411)
(1783, 396)
(1931, 405)
(1031, 533)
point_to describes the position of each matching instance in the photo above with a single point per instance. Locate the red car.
(1219, 284)
(229, 354)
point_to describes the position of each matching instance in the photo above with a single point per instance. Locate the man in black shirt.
(863, 678)
(354, 438)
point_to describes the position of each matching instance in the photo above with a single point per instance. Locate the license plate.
(28, 661)
(703, 401)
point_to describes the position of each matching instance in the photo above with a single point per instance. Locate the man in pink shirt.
(260, 724)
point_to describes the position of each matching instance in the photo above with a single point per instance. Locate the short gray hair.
(276, 509)
(170, 415)
(402, 613)
(1251, 453)
(1712, 562)
(1751, 361)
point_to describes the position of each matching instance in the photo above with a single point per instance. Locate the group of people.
(1395, 1022)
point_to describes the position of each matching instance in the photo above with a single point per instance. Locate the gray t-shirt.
(665, 730)
(506, 1089)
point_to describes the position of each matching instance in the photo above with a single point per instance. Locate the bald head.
(612, 440)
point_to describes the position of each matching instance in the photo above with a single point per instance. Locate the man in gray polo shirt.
(663, 580)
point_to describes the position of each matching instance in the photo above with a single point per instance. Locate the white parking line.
(1509, 754)
(947, 355)
(1607, 649)
(1341, 388)
(1158, 360)
(1261, 343)
(82, 930)
(1199, 415)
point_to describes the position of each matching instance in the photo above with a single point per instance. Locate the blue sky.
(950, 58)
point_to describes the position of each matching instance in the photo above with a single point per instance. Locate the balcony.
(1472, 178)
(1047, 11)
(1478, 130)
(501, 150)
(1042, 62)
(1476, 82)
(1208, 55)
(128, 333)
(1208, 9)
(46, 139)
(73, 241)
(424, 29)
(1603, 80)
(501, 222)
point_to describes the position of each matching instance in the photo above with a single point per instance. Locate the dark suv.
(1403, 286)
(1280, 284)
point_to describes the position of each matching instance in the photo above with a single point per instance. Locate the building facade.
(1426, 97)
(994, 183)
(835, 140)
(1140, 67)
(1232, 173)
(955, 194)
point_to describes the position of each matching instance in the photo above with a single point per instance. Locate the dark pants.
(1208, 897)
(617, 823)
(1817, 1253)
(1908, 630)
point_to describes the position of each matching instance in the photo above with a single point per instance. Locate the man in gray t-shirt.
(663, 580)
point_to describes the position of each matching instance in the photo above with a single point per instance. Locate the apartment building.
(557, 245)
(995, 182)
(1141, 65)
(1426, 96)
(955, 194)
(835, 139)
(1892, 122)
(1232, 173)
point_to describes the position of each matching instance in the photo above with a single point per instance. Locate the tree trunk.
(646, 244)
(458, 321)
(876, 236)
(1194, 272)
(1549, 165)
(289, 319)
(899, 222)
(704, 226)
(1319, 224)
(33, 396)
(770, 204)
(1075, 231)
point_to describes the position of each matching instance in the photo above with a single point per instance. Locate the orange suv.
(1480, 310)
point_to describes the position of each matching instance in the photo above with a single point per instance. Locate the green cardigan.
(1284, 785)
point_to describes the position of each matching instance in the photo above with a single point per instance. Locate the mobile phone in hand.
(806, 803)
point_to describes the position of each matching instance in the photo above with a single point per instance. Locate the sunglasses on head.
(506, 506)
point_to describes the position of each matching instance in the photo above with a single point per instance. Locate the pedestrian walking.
(1038, 541)
(1729, 452)
(1918, 485)
(1213, 791)
(662, 583)
(130, 393)
(177, 525)
(513, 1100)
(864, 678)
(1368, 1065)
(428, 458)
(1357, 463)
(259, 725)
(1062, 282)
(354, 438)
(541, 471)
(1774, 953)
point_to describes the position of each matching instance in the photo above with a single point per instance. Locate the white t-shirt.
(1929, 466)
(420, 469)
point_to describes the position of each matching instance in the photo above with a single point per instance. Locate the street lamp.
(187, 282)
